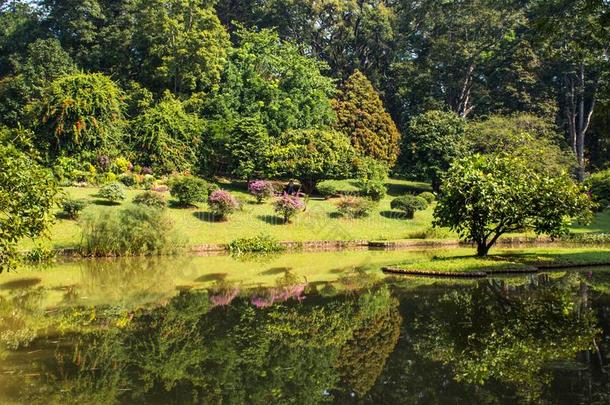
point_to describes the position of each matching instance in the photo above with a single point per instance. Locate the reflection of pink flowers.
(225, 297)
(279, 294)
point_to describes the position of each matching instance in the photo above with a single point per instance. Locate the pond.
(302, 328)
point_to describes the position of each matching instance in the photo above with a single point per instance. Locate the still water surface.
(302, 328)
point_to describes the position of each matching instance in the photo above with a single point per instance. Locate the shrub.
(409, 204)
(189, 190)
(373, 189)
(150, 199)
(39, 254)
(128, 179)
(136, 230)
(428, 196)
(288, 206)
(355, 207)
(256, 244)
(222, 203)
(113, 192)
(261, 189)
(121, 165)
(599, 185)
(327, 190)
(71, 208)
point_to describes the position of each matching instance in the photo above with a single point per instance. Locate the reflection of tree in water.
(191, 351)
(489, 340)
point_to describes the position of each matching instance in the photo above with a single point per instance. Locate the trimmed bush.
(355, 207)
(599, 186)
(128, 180)
(428, 196)
(327, 190)
(189, 190)
(222, 203)
(113, 192)
(261, 189)
(288, 206)
(71, 208)
(256, 244)
(409, 204)
(373, 189)
(135, 230)
(150, 199)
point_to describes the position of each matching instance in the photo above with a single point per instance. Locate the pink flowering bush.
(222, 203)
(288, 206)
(261, 189)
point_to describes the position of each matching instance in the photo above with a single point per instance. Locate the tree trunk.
(482, 248)
(308, 186)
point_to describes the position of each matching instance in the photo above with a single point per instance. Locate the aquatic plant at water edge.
(137, 230)
(222, 203)
(257, 244)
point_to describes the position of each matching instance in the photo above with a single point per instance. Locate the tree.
(180, 44)
(531, 138)
(311, 156)
(166, 137)
(248, 148)
(484, 197)
(434, 139)
(361, 115)
(273, 80)
(78, 113)
(27, 197)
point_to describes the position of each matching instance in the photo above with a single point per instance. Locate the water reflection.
(536, 339)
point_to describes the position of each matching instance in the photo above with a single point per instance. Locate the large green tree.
(485, 196)
(79, 113)
(362, 116)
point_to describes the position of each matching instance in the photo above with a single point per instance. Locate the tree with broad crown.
(362, 116)
(486, 196)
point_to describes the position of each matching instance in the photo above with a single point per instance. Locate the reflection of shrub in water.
(21, 316)
(287, 287)
(223, 293)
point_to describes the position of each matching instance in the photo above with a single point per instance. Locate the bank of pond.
(300, 328)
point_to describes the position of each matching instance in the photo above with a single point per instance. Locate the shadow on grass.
(335, 215)
(394, 215)
(212, 277)
(105, 203)
(207, 216)
(271, 219)
(20, 283)
(276, 270)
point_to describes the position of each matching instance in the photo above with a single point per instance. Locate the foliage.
(355, 207)
(248, 147)
(128, 180)
(189, 190)
(222, 203)
(135, 230)
(433, 140)
(113, 192)
(257, 244)
(327, 190)
(428, 196)
(151, 199)
(261, 189)
(71, 207)
(483, 197)
(39, 254)
(27, 197)
(288, 206)
(409, 204)
(167, 137)
(79, 112)
(362, 116)
(373, 189)
(599, 186)
(313, 155)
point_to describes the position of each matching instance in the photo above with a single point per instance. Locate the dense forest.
(243, 88)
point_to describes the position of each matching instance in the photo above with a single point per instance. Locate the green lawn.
(462, 260)
(319, 222)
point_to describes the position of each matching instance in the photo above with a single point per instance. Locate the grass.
(319, 222)
(505, 260)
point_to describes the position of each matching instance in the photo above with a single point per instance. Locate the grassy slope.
(319, 222)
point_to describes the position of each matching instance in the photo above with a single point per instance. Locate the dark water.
(357, 339)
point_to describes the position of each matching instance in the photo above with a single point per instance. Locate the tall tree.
(362, 116)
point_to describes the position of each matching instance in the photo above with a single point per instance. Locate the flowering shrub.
(355, 207)
(261, 189)
(222, 203)
(288, 206)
